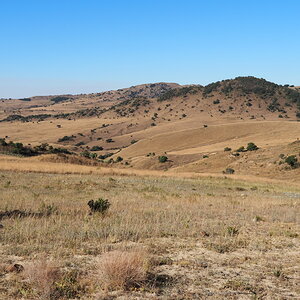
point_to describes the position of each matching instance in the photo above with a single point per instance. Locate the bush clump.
(229, 171)
(162, 158)
(251, 147)
(241, 149)
(292, 161)
(96, 148)
(119, 159)
(101, 205)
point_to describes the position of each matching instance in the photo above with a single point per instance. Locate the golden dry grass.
(207, 237)
(123, 269)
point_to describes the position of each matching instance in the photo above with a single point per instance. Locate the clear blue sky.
(72, 46)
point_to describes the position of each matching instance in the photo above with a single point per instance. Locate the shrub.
(85, 154)
(109, 141)
(292, 161)
(25, 99)
(104, 156)
(67, 138)
(101, 205)
(80, 144)
(119, 159)
(252, 147)
(216, 101)
(162, 158)
(43, 274)
(229, 171)
(59, 99)
(123, 269)
(50, 282)
(241, 149)
(227, 149)
(96, 148)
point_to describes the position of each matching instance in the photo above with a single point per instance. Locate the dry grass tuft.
(123, 269)
(42, 274)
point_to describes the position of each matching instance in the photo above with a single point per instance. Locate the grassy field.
(161, 238)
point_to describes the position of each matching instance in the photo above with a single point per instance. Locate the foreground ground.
(162, 238)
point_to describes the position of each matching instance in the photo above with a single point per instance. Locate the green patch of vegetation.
(162, 159)
(25, 99)
(241, 149)
(251, 147)
(12, 148)
(66, 138)
(211, 88)
(229, 171)
(179, 92)
(59, 99)
(101, 205)
(292, 161)
(30, 118)
(96, 148)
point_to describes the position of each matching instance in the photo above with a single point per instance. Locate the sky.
(81, 46)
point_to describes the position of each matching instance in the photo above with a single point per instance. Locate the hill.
(191, 125)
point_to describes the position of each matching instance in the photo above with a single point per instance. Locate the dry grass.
(42, 274)
(210, 234)
(123, 269)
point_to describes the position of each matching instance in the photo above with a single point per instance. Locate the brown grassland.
(192, 215)
(163, 237)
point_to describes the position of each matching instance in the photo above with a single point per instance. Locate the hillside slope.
(186, 123)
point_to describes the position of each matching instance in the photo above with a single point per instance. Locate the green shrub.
(162, 158)
(119, 159)
(101, 205)
(80, 144)
(96, 148)
(85, 153)
(227, 149)
(292, 161)
(229, 171)
(252, 147)
(241, 149)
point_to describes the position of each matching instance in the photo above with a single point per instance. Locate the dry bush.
(123, 269)
(42, 274)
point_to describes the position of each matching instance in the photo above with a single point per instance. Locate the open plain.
(195, 193)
